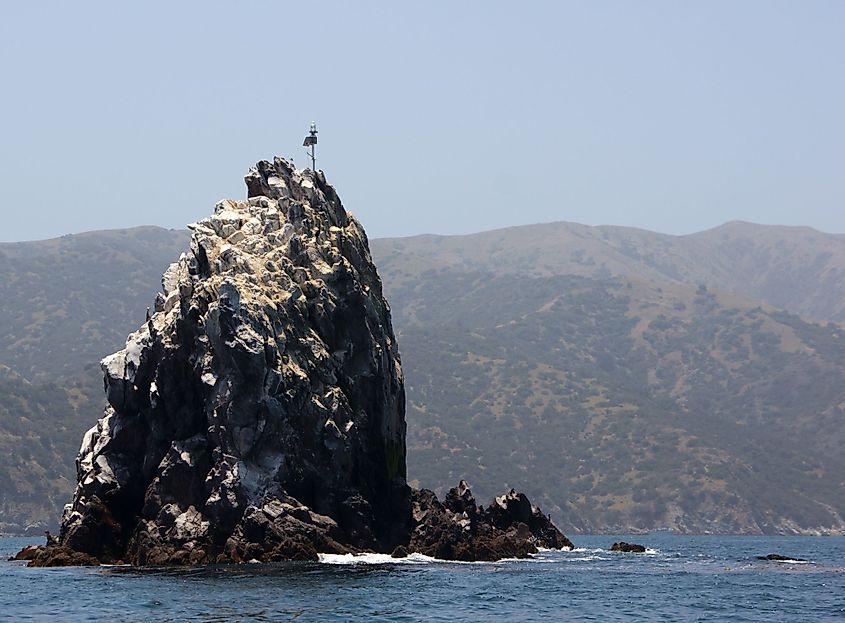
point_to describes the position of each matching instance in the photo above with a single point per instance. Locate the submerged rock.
(399, 552)
(622, 546)
(780, 558)
(259, 413)
(27, 553)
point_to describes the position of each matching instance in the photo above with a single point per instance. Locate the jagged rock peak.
(260, 410)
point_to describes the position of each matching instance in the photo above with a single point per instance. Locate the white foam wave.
(373, 559)
(421, 559)
(595, 550)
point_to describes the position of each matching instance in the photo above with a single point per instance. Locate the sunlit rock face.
(260, 410)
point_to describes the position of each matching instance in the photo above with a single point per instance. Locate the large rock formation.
(259, 413)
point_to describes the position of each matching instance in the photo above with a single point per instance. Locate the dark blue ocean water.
(685, 579)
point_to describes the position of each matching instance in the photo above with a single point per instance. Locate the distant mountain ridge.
(795, 268)
(623, 378)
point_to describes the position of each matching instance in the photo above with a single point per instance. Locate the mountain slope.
(40, 427)
(592, 362)
(626, 406)
(69, 301)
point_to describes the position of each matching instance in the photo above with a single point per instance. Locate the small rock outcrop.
(459, 529)
(259, 412)
(53, 555)
(622, 546)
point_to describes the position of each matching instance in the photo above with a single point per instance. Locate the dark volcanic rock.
(780, 557)
(55, 556)
(622, 546)
(259, 413)
(27, 553)
(399, 552)
(458, 529)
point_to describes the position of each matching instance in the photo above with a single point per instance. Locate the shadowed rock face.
(259, 413)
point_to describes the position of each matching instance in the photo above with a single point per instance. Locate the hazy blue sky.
(444, 117)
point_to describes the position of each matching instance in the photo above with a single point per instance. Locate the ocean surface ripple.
(680, 578)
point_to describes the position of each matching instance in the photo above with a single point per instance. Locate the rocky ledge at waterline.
(259, 413)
